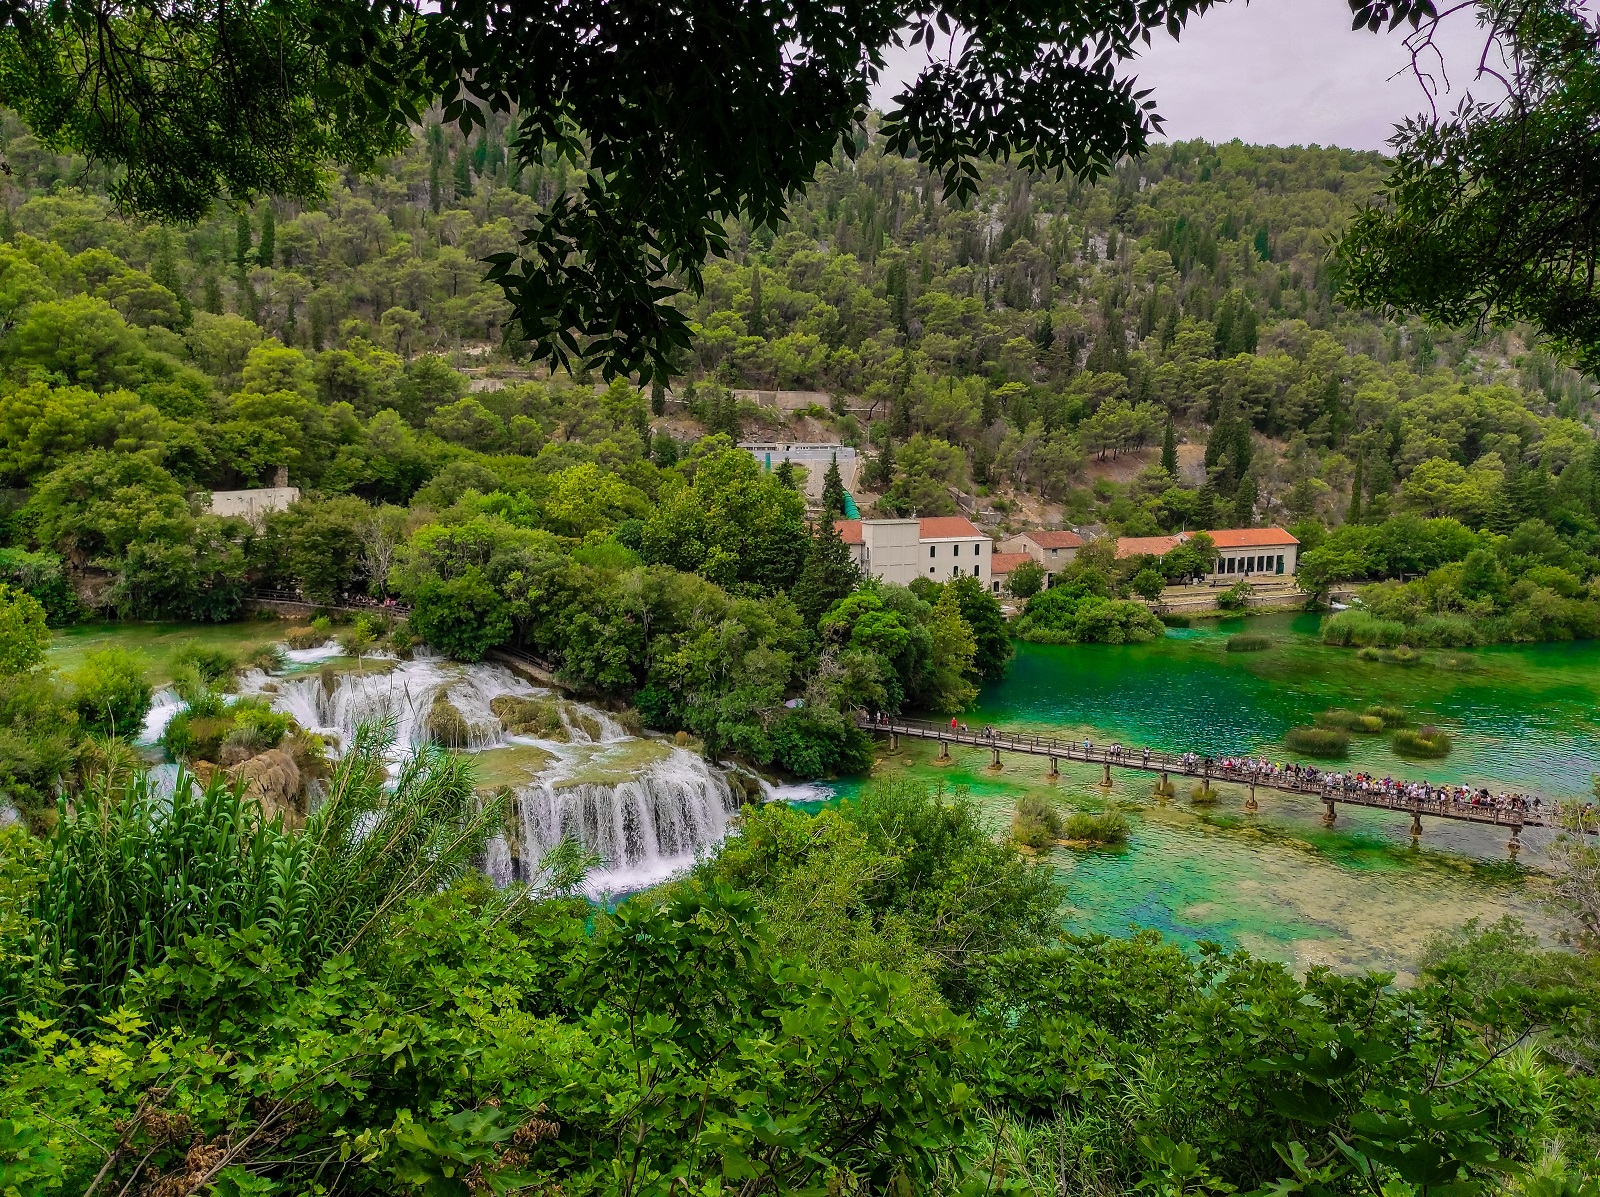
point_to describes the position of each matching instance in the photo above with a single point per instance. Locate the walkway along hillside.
(1416, 798)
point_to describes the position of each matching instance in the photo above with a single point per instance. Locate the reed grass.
(1426, 743)
(1324, 742)
(1249, 642)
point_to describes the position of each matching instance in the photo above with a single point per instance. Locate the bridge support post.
(1164, 787)
(944, 749)
(1055, 768)
(1105, 775)
(1250, 802)
(1515, 845)
(1329, 815)
(1416, 824)
(894, 742)
(995, 762)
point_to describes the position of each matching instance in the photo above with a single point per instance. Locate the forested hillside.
(1018, 348)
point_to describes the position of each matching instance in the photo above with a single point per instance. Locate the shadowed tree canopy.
(1492, 214)
(676, 114)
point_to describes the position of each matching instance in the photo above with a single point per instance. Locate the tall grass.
(1341, 719)
(1325, 742)
(132, 872)
(1426, 743)
(1248, 642)
(1356, 628)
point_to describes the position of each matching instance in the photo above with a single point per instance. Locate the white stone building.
(938, 548)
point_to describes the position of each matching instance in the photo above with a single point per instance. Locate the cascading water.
(646, 808)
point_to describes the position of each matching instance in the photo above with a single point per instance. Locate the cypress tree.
(241, 242)
(1169, 448)
(1244, 502)
(832, 490)
(463, 176)
(1353, 516)
(658, 395)
(211, 297)
(828, 575)
(785, 474)
(269, 238)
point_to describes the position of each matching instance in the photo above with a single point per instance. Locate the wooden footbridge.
(1328, 788)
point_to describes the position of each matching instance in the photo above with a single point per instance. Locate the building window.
(955, 550)
(997, 585)
(1233, 564)
(977, 550)
(1052, 552)
(955, 571)
(930, 569)
(1280, 563)
(933, 550)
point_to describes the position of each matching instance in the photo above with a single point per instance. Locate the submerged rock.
(536, 717)
(273, 779)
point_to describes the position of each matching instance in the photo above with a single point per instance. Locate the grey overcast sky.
(1284, 72)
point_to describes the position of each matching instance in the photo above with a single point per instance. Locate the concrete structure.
(938, 548)
(815, 457)
(1053, 550)
(1241, 552)
(1001, 565)
(253, 505)
(1250, 551)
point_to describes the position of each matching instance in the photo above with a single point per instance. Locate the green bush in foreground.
(1323, 742)
(875, 1000)
(1427, 743)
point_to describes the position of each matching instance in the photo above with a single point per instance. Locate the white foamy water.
(325, 651)
(163, 706)
(645, 828)
(335, 707)
(645, 824)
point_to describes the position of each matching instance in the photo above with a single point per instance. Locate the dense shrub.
(1108, 827)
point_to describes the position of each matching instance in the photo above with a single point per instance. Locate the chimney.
(281, 478)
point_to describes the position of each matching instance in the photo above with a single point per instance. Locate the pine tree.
(828, 575)
(164, 269)
(832, 490)
(1169, 449)
(785, 474)
(269, 238)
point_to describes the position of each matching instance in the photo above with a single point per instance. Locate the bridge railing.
(1322, 785)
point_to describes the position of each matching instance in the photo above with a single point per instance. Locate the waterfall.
(647, 809)
(334, 706)
(644, 829)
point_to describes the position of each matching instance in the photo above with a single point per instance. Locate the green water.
(1522, 717)
(158, 643)
(1276, 882)
(1356, 896)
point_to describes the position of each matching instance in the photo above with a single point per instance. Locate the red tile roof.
(948, 527)
(1250, 538)
(943, 527)
(1146, 546)
(1004, 563)
(1056, 540)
